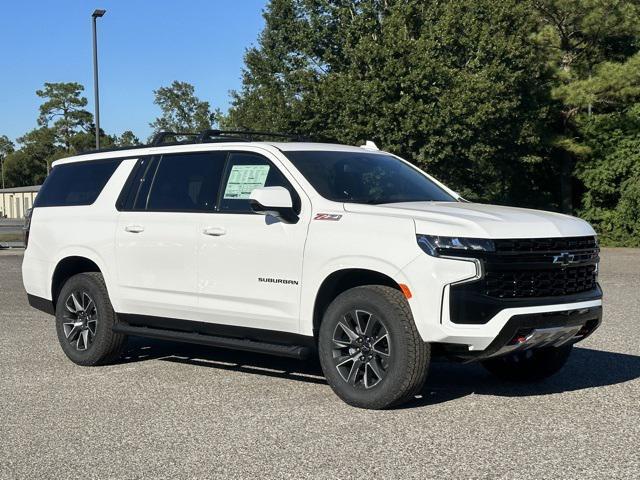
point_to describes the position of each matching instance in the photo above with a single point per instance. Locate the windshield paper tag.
(243, 179)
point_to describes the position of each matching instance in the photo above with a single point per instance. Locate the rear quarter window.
(73, 184)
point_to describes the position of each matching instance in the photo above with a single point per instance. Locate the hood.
(477, 220)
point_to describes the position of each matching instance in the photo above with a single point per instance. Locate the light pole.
(95, 15)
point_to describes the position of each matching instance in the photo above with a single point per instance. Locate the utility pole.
(95, 15)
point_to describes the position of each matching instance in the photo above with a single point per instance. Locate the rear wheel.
(84, 321)
(370, 351)
(529, 365)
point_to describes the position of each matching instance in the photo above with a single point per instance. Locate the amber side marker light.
(405, 291)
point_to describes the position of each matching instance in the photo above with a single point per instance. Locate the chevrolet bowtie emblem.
(564, 259)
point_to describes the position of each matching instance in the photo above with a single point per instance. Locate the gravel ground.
(176, 411)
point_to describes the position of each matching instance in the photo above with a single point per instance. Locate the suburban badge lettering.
(277, 280)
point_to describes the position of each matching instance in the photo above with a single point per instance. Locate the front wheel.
(370, 350)
(531, 365)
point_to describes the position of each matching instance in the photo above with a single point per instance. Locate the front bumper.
(432, 299)
(538, 330)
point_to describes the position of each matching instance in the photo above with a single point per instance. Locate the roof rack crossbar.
(222, 136)
(248, 134)
(205, 135)
(160, 137)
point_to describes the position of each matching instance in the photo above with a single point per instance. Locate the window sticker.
(243, 179)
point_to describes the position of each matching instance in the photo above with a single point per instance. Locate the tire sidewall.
(102, 339)
(385, 392)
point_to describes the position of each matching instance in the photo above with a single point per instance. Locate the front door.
(250, 265)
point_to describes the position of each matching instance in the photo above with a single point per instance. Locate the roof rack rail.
(221, 136)
(205, 136)
(111, 149)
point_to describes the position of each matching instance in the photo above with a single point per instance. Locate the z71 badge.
(327, 216)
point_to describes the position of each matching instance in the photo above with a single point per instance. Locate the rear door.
(157, 233)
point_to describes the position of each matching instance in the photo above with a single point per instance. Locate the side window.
(134, 186)
(77, 183)
(185, 182)
(245, 172)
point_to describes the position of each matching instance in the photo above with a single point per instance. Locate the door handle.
(134, 228)
(214, 231)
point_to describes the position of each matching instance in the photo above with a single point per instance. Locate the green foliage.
(577, 36)
(66, 129)
(611, 175)
(39, 146)
(181, 110)
(454, 86)
(64, 110)
(612, 87)
(86, 141)
(489, 96)
(21, 169)
(127, 139)
(6, 147)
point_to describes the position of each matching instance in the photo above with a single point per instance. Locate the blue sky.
(142, 45)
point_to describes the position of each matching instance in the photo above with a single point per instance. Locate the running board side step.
(291, 351)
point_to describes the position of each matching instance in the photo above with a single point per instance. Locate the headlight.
(439, 246)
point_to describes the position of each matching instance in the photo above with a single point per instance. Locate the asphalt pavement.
(177, 411)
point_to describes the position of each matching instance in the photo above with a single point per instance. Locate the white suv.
(301, 249)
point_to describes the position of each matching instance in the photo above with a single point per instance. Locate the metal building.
(15, 201)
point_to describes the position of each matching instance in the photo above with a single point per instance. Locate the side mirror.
(274, 201)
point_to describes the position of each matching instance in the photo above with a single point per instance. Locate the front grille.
(562, 244)
(541, 267)
(540, 283)
(544, 250)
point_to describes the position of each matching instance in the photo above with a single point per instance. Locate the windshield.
(362, 177)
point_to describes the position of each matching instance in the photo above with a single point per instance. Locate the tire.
(84, 325)
(388, 369)
(530, 365)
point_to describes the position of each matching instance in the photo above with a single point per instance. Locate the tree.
(456, 87)
(39, 145)
(610, 173)
(86, 141)
(66, 129)
(578, 35)
(6, 147)
(612, 87)
(181, 110)
(64, 107)
(127, 139)
(21, 169)
(593, 46)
